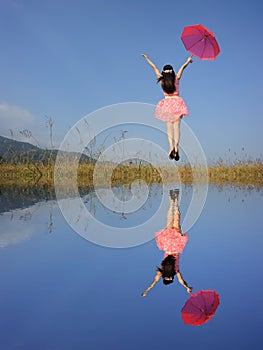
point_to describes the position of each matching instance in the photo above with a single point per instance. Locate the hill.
(13, 151)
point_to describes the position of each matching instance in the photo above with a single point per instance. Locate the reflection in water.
(201, 306)
(20, 225)
(21, 209)
(49, 282)
(172, 241)
(39, 211)
(23, 204)
(18, 197)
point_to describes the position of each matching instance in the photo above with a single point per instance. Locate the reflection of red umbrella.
(200, 42)
(200, 307)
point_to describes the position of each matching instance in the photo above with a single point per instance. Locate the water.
(60, 291)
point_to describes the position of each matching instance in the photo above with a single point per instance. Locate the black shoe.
(172, 154)
(177, 191)
(176, 156)
(174, 194)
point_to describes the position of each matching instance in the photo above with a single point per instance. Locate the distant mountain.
(12, 151)
(7, 144)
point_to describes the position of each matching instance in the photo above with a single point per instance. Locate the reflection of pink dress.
(171, 240)
(172, 107)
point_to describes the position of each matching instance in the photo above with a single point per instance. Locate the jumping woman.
(172, 108)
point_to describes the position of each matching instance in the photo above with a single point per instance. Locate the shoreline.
(32, 174)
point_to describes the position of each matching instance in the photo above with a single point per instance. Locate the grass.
(29, 172)
(236, 173)
(239, 173)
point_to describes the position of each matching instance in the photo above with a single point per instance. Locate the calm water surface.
(60, 291)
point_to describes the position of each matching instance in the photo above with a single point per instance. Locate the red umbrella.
(200, 307)
(200, 42)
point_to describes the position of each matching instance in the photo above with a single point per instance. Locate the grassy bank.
(247, 174)
(250, 173)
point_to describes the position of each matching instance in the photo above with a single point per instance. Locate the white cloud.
(14, 116)
(15, 119)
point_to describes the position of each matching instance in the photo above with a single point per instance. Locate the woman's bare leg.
(173, 214)
(170, 215)
(170, 134)
(176, 133)
(177, 216)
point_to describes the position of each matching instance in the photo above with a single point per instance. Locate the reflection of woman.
(172, 241)
(172, 108)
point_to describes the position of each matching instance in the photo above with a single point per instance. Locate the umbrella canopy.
(200, 42)
(200, 307)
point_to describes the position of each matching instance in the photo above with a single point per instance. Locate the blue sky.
(66, 59)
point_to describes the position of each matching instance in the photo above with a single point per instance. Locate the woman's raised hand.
(144, 55)
(189, 290)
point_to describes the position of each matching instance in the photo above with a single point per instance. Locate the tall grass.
(26, 171)
(239, 172)
(43, 173)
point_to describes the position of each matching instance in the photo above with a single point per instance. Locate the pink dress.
(171, 240)
(171, 107)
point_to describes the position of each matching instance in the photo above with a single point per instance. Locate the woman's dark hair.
(168, 269)
(167, 79)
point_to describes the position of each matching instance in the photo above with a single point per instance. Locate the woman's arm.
(180, 72)
(156, 70)
(156, 279)
(181, 280)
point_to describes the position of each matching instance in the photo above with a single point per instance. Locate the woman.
(172, 108)
(172, 241)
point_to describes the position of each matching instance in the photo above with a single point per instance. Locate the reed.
(240, 172)
(24, 170)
